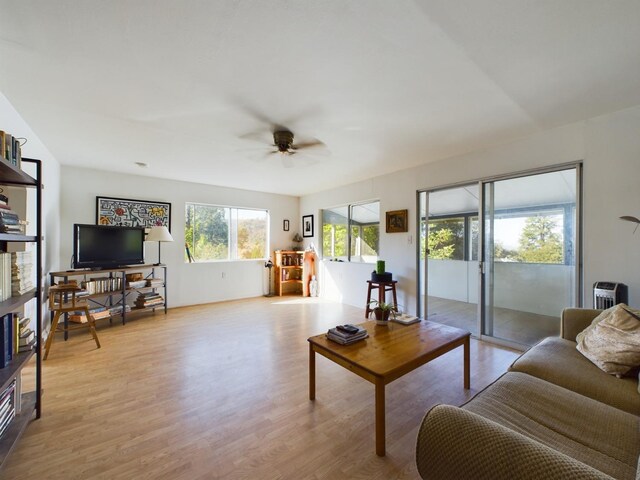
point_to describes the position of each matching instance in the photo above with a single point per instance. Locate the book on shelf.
(117, 309)
(102, 285)
(342, 337)
(155, 282)
(26, 338)
(6, 339)
(149, 299)
(10, 149)
(98, 313)
(137, 284)
(7, 406)
(404, 319)
(21, 272)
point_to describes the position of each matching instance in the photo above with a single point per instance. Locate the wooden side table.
(383, 288)
(60, 303)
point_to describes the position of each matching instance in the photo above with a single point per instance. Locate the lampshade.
(159, 234)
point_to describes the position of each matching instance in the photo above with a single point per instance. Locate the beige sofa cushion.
(612, 341)
(596, 434)
(557, 361)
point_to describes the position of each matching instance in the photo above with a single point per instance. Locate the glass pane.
(530, 267)
(252, 234)
(210, 233)
(334, 233)
(452, 274)
(446, 239)
(365, 232)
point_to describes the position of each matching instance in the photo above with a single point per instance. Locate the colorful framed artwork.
(397, 221)
(125, 212)
(307, 226)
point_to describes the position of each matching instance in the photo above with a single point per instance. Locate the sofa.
(553, 415)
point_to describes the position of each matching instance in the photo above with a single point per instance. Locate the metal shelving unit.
(31, 402)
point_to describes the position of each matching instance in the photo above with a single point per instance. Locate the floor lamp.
(159, 234)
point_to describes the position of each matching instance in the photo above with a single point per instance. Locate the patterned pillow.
(612, 341)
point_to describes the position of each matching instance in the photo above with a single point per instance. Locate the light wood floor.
(221, 391)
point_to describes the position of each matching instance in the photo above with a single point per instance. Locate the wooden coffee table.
(389, 353)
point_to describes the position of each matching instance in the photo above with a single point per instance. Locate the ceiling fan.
(283, 139)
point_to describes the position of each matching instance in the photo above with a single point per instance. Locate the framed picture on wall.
(125, 212)
(397, 221)
(307, 226)
(285, 225)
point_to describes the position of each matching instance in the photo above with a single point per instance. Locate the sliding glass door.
(499, 257)
(528, 269)
(449, 256)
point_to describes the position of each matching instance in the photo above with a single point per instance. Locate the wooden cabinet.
(25, 404)
(293, 271)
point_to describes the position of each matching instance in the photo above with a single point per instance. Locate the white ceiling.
(385, 84)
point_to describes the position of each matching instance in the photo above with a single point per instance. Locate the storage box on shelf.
(108, 290)
(17, 408)
(293, 271)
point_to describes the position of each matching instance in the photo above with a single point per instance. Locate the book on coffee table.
(405, 319)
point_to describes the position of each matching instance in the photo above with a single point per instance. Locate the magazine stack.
(347, 334)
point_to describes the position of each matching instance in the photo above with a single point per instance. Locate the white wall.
(610, 148)
(13, 123)
(188, 284)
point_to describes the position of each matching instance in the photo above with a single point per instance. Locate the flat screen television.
(102, 246)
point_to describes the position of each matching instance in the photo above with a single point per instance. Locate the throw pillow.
(613, 342)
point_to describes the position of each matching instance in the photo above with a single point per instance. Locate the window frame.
(232, 234)
(351, 241)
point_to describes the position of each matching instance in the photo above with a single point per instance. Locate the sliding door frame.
(578, 274)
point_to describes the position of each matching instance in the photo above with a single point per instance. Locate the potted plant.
(382, 310)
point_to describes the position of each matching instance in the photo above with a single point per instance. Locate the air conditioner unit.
(608, 294)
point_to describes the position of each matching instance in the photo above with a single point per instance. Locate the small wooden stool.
(382, 288)
(58, 305)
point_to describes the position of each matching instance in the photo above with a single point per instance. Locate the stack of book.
(21, 273)
(26, 338)
(150, 299)
(7, 406)
(98, 313)
(347, 334)
(155, 282)
(9, 220)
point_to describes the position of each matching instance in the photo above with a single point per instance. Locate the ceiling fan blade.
(310, 144)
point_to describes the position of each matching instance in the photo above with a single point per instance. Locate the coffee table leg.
(312, 373)
(467, 379)
(380, 418)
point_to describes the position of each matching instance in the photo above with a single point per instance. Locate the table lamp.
(159, 234)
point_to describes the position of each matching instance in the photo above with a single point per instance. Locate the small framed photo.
(285, 225)
(307, 226)
(397, 221)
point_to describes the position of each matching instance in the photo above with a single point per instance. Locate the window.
(351, 232)
(226, 233)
